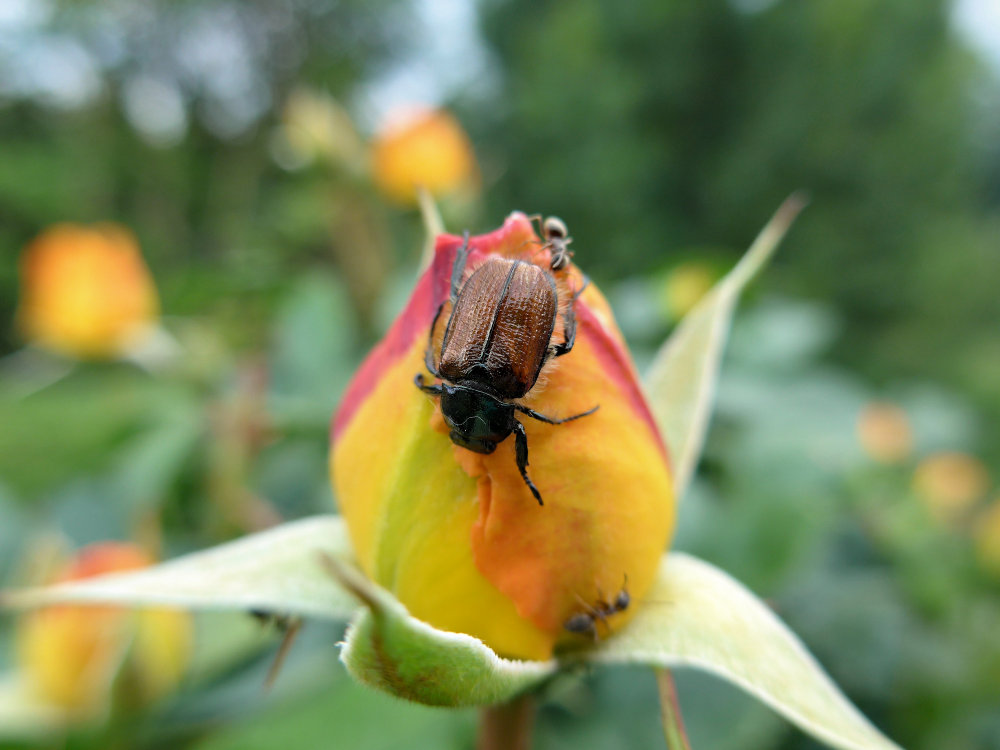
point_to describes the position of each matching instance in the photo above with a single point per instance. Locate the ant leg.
(622, 598)
(521, 455)
(552, 420)
(435, 390)
(458, 268)
(592, 615)
(291, 630)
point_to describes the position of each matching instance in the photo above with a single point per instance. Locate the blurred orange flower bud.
(949, 483)
(457, 536)
(422, 148)
(72, 655)
(86, 291)
(884, 432)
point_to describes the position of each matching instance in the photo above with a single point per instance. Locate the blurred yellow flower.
(986, 536)
(949, 483)
(86, 291)
(457, 535)
(71, 655)
(422, 148)
(885, 433)
(685, 286)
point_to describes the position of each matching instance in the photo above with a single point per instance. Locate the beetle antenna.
(435, 390)
(553, 420)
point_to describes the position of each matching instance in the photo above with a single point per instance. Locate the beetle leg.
(436, 390)
(569, 324)
(569, 334)
(429, 353)
(553, 420)
(458, 268)
(521, 455)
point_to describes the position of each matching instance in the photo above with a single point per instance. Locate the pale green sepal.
(277, 571)
(680, 384)
(389, 650)
(696, 615)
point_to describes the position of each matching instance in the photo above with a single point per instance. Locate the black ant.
(288, 626)
(557, 240)
(585, 623)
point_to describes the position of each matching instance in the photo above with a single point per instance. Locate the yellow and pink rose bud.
(72, 656)
(422, 148)
(86, 291)
(457, 536)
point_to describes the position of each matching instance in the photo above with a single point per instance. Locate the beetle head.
(478, 420)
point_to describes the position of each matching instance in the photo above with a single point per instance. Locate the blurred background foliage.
(261, 154)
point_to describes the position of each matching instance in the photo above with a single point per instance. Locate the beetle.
(497, 339)
(585, 623)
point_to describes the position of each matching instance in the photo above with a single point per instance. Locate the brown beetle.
(497, 340)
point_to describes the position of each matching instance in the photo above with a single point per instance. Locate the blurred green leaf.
(347, 715)
(681, 383)
(697, 616)
(223, 639)
(71, 427)
(314, 335)
(153, 460)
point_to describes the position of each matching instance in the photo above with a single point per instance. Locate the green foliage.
(663, 125)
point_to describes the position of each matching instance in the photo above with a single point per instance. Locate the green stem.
(673, 724)
(507, 726)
